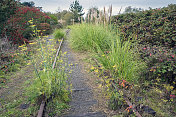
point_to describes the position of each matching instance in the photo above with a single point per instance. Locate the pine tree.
(77, 10)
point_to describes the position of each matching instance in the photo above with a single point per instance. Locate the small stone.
(138, 99)
(24, 106)
(148, 110)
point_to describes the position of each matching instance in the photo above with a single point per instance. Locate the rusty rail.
(125, 98)
(128, 102)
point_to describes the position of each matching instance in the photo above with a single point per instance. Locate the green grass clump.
(88, 37)
(58, 34)
(115, 56)
(121, 61)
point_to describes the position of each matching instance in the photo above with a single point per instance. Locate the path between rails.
(82, 95)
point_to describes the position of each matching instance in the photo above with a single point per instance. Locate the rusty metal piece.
(40, 112)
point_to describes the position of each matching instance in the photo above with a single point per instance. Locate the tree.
(67, 17)
(129, 9)
(77, 10)
(29, 4)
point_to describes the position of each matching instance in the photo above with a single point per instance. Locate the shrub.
(7, 8)
(154, 30)
(18, 29)
(155, 26)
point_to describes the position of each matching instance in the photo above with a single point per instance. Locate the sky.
(53, 5)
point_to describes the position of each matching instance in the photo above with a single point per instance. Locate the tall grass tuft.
(121, 61)
(87, 37)
(58, 34)
(114, 55)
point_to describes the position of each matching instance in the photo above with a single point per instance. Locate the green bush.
(154, 30)
(155, 26)
(58, 34)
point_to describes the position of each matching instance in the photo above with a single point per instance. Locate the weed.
(58, 34)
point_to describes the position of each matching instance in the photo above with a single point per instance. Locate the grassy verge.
(115, 56)
(118, 62)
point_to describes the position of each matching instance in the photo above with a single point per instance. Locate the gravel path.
(82, 94)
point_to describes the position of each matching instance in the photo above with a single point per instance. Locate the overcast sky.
(53, 5)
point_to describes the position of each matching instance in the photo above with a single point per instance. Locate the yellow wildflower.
(38, 30)
(61, 61)
(100, 85)
(45, 36)
(50, 39)
(32, 25)
(96, 70)
(92, 68)
(32, 43)
(29, 64)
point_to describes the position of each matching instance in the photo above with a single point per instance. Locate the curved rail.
(124, 97)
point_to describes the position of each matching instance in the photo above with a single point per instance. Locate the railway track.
(127, 98)
(43, 103)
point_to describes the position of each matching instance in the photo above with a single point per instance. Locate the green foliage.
(77, 10)
(154, 30)
(65, 16)
(129, 9)
(122, 62)
(53, 18)
(29, 4)
(113, 55)
(88, 37)
(155, 26)
(58, 34)
(57, 105)
(49, 81)
(116, 101)
(7, 8)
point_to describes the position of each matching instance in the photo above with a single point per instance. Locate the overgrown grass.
(89, 37)
(122, 62)
(50, 82)
(114, 55)
(58, 34)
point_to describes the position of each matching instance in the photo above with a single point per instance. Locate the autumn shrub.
(160, 61)
(7, 8)
(155, 26)
(18, 29)
(154, 31)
